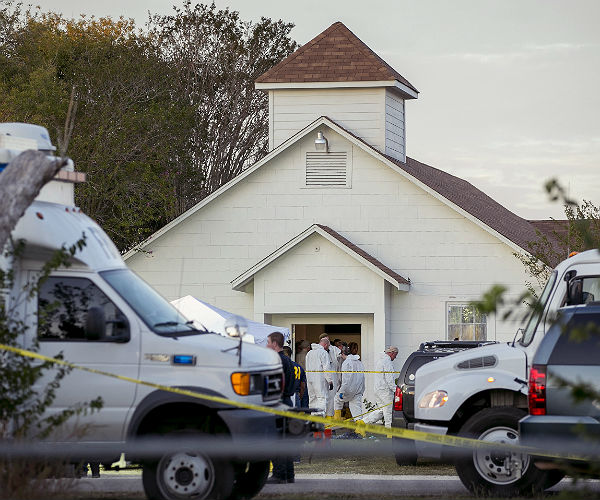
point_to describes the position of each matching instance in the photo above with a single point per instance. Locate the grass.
(369, 465)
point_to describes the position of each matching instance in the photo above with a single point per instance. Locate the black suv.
(403, 413)
(558, 420)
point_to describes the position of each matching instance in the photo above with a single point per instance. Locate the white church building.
(336, 229)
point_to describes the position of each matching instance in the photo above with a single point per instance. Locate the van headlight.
(246, 383)
(434, 399)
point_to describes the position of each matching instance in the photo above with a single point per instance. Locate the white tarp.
(213, 319)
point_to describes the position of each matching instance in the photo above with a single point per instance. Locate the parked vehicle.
(101, 315)
(403, 415)
(557, 420)
(482, 392)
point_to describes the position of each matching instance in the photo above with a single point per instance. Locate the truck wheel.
(249, 480)
(187, 474)
(405, 451)
(553, 477)
(498, 473)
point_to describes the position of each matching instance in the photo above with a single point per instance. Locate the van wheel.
(249, 480)
(187, 474)
(501, 473)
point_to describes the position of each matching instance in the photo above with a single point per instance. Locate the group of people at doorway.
(335, 376)
(332, 375)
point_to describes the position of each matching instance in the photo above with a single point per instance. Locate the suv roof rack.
(454, 344)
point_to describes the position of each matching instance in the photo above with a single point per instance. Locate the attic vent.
(326, 169)
(481, 362)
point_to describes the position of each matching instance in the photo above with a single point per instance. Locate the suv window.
(591, 288)
(579, 342)
(63, 303)
(415, 364)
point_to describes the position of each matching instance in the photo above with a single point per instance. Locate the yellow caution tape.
(353, 371)
(428, 437)
(357, 416)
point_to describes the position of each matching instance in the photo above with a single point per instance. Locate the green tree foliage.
(165, 114)
(128, 127)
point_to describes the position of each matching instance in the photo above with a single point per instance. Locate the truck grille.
(272, 386)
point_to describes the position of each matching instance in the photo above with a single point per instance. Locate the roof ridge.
(364, 254)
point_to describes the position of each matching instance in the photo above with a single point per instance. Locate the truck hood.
(463, 375)
(210, 346)
(504, 355)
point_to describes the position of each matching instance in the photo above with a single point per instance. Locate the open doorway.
(310, 332)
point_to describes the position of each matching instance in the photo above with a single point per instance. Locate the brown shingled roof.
(364, 254)
(552, 227)
(336, 55)
(473, 201)
(469, 198)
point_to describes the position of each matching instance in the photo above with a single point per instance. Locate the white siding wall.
(395, 134)
(361, 111)
(447, 257)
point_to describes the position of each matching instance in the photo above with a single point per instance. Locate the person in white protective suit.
(353, 384)
(319, 381)
(385, 386)
(333, 353)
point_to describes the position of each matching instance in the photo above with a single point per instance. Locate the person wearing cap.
(385, 386)
(352, 386)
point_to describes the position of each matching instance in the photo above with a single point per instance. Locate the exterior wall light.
(321, 142)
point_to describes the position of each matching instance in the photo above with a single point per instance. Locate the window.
(151, 307)
(579, 341)
(63, 303)
(465, 322)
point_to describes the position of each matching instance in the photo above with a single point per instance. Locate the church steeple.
(337, 75)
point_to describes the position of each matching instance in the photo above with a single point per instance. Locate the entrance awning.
(339, 241)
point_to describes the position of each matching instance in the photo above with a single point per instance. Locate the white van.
(101, 315)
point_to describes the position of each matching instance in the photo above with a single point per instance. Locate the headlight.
(246, 383)
(433, 399)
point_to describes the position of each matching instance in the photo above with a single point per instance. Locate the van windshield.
(160, 316)
(538, 311)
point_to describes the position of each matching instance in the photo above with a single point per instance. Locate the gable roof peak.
(335, 55)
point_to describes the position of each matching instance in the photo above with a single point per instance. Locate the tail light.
(398, 399)
(537, 390)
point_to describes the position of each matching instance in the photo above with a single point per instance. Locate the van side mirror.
(575, 293)
(120, 330)
(95, 323)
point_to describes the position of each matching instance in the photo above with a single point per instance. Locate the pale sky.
(509, 89)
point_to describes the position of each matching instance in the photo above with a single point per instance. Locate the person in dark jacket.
(300, 394)
(283, 467)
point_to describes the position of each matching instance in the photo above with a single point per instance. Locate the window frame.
(463, 303)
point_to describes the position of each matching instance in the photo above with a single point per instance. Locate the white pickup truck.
(482, 392)
(101, 315)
